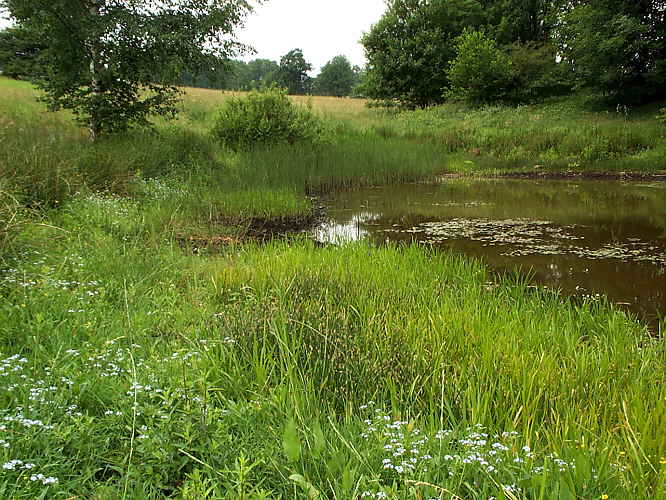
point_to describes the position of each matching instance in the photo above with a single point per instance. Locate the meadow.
(164, 336)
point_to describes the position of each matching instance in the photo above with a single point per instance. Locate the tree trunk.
(94, 125)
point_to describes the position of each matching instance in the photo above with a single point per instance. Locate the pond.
(587, 238)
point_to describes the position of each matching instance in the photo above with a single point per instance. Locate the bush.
(481, 72)
(265, 117)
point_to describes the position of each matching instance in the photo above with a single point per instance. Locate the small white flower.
(12, 464)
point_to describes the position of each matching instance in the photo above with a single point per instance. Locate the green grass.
(292, 333)
(564, 135)
(136, 368)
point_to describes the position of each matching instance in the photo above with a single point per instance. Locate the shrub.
(484, 72)
(481, 72)
(265, 117)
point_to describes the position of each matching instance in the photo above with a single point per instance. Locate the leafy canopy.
(480, 72)
(485, 72)
(410, 47)
(260, 73)
(522, 21)
(22, 53)
(112, 61)
(337, 78)
(293, 72)
(616, 46)
(413, 44)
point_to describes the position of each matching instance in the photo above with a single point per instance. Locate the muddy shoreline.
(602, 176)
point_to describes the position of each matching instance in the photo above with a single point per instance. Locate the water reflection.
(585, 237)
(333, 231)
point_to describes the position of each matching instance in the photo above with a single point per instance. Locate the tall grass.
(133, 367)
(268, 354)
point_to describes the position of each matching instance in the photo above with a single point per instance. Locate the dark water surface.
(585, 237)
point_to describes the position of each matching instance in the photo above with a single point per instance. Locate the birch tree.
(113, 62)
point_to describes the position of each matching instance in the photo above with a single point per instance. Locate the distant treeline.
(22, 57)
(338, 77)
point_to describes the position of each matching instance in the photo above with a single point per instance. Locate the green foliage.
(481, 72)
(337, 78)
(291, 443)
(662, 115)
(12, 215)
(107, 59)
(617, 47)
(265, 117)
(259, 73)
(537, 74)
(518, 73)
(22, 53)
(293, 73)
(224, 75)
(519, 21)
(412, 44)
(239, 75)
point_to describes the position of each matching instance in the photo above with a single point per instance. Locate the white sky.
(3, 21)
(323, 29)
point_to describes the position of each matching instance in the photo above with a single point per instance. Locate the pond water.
(586, 238)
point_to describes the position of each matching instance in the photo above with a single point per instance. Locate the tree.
(537, 72)
(411, 46)
(224, 75)
(293, 72)
(261, 73)
(522, 21)
(112, 62)
(21, 53)
(337, 78)
(616, 46)
(481, 72)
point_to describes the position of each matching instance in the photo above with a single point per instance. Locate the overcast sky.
(323, 29)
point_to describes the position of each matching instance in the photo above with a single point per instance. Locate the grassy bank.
(580, 134)
(132, 366)
(572, 135)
